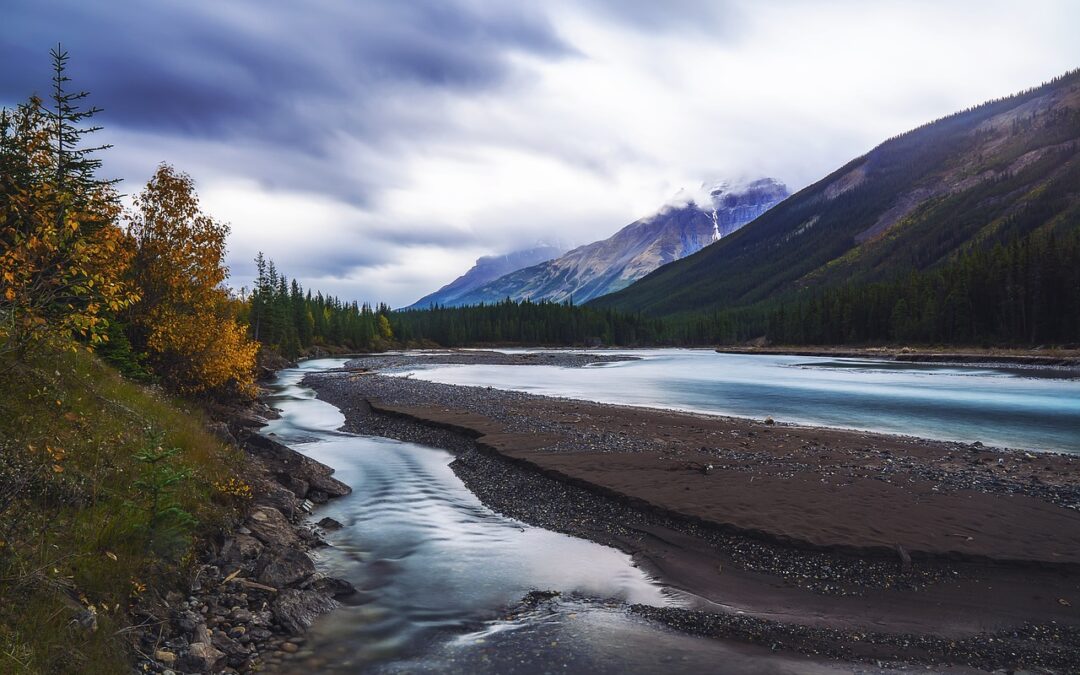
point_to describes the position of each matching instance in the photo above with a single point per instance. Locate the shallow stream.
(439, 574)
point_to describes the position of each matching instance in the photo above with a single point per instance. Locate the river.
(438, 573)
(1025, 408)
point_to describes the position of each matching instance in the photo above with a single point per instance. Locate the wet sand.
(814, 539)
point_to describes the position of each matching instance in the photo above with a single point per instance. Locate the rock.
(282, 460)
(201, 634)
(285, 568)
(165, 657)
(318, 496)
(333, 586)
(229, 647)
(329, 524)
(297, 486)
(271, 528)
(274, 495)
(241, 548)
(187, 621)
(240, 615)
(296, 610)
(770, 421)
(289, 648)
(202, 658)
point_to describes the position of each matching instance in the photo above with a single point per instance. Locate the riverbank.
(1057, 358)
(254, 590)
(777, 532)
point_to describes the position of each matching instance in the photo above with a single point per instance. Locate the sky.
(375, 148)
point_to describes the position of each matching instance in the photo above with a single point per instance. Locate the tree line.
(283, 316)
(1024, 292)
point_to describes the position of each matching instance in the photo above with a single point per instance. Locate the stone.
(296, 610)
(202, 658)
(271, 528)
(187, 621)
(298, 486)
(329, 524)
(289, 648)
(229, 647)
(240, 615)
(241, 548)
(334, 587)
(280, 459)
(164, 656)
(286, 568)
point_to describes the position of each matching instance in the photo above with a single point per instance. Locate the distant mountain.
(677, 230)
(986, 175)
(487, 269)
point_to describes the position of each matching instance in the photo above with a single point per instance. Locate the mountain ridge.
(978, 176)
(678, 229)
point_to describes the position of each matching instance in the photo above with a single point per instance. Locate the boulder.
(285, 568)
(281, 460)
(295, 485)
(241, 548)
(202, 658)
(329, 524)
(296, 610)
(270, 493)
(271, 528)
(337, 588)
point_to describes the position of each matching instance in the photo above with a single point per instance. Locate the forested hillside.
(986, 176)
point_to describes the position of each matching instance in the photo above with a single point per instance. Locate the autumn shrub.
(183, 319)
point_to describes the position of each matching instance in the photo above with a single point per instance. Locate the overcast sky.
(374, 149)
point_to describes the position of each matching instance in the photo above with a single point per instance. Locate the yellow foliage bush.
(184, 319)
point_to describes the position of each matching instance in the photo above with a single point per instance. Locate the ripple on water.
(437, 571)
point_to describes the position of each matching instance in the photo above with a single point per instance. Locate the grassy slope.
(813, 236)
(75, 534)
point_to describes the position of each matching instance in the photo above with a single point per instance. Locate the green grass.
(73, 522)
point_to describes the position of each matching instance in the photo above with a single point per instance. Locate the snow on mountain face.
(735, 205)
(679, 229)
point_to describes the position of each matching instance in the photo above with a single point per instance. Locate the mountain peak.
(683, 226)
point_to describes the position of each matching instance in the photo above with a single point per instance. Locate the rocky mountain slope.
(601, 267)
(486, 270)
(986, 175)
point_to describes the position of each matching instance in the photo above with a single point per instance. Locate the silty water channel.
(441, 576)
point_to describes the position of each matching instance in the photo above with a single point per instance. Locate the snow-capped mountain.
(682, 227)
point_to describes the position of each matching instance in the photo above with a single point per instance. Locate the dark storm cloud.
(248, 68)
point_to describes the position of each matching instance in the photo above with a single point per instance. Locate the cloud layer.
(374, 149)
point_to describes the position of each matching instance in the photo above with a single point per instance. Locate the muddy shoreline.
(535, 459)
